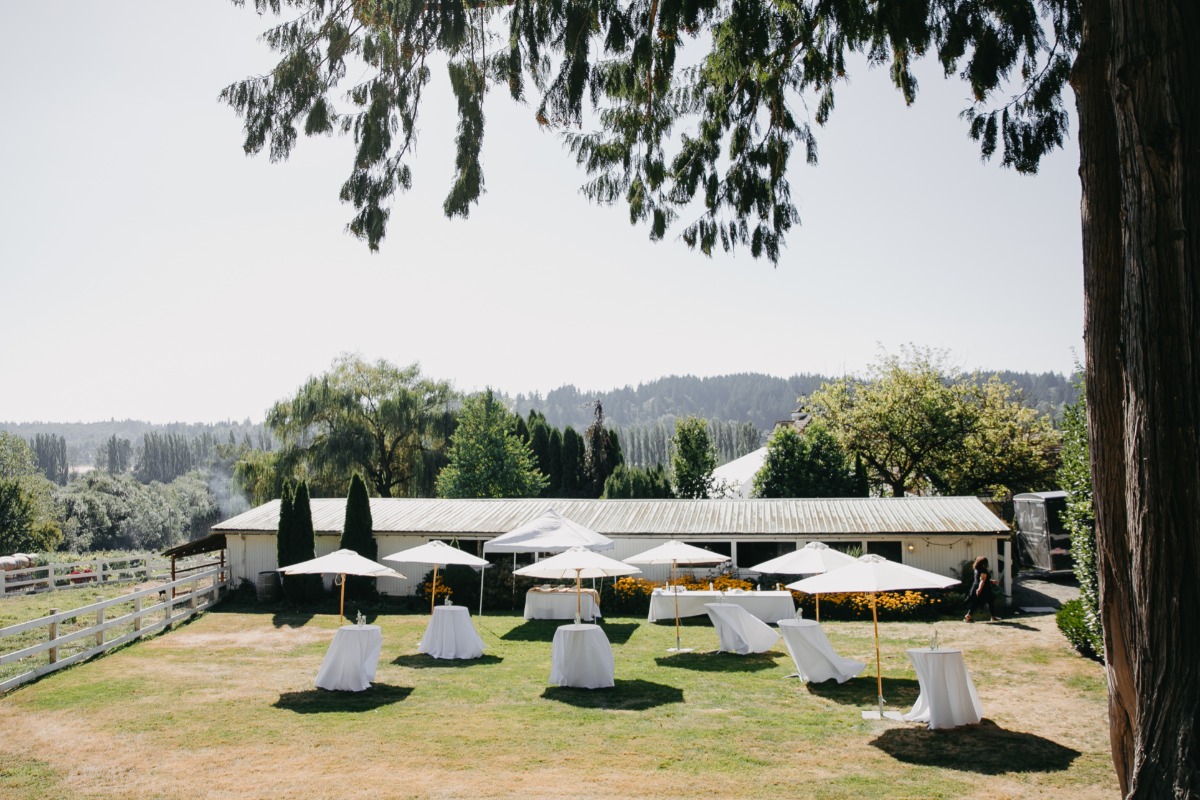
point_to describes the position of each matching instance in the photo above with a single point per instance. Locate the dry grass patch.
(224, 707)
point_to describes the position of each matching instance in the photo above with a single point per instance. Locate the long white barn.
(932, 533)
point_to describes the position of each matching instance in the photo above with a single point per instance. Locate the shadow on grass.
(626, 695)
(719, 662)
(863, 691)
(534, 630)
(984, 748)
(320, 701)
(1008, 623)
(422, 661)
(619, 632)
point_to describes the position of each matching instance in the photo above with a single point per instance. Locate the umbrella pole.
(878, 674)
(433, 602)
(342, 606)
(578, 599)
(481, 570)
(675, 590)
(818, 607)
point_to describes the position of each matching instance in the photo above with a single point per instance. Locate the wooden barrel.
(267, 587)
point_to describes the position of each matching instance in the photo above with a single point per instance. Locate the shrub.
(889, 605)
(1073, 624)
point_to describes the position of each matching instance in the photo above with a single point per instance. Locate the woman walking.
(981, 590)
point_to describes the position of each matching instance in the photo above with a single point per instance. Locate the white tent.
(549, 533)
(736, 478)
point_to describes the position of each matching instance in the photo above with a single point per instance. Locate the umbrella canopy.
(577, 563)
(814, 557)
(439, 554)
(675, 552)
(871, 574)
(550, 532)
(341, 563)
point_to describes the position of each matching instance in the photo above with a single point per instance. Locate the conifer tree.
(358, 534)
(572, 463)
(302, 547)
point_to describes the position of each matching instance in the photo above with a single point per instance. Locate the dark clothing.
(978, 598)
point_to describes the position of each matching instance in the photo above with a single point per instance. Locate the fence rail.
(200, 591)
(87, 574)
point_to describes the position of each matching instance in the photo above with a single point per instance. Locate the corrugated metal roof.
(675, 518)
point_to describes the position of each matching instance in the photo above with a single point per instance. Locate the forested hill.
(83, 439)
(759, 399)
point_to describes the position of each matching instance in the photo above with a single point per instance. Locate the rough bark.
(1137, 95)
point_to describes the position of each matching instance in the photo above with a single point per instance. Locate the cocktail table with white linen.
(351, 659)
(560, 603)
(740, 631)
(948, 697)
(812, 653)
(451, 634)
(582, 657)
(766, 606)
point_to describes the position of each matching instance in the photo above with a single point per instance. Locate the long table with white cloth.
(813, 655)
(948, 697)
(560, 603)
(351, 659)
(766, 606)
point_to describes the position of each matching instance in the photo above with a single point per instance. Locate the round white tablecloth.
(560, 605)
(351, 659)
(948, 697)
(812, 653)
(739, 631)
(451, 634)
(581, 656)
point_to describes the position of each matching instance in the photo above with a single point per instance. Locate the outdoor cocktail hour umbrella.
(813, 558)
(873, 574)
(439, 554)
(341, 563)
(577, 563)
(676, 553)
(549, 532)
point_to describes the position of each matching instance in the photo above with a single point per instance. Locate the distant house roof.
(674, 518)
(737, 476)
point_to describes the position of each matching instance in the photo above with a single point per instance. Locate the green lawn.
(224, 707)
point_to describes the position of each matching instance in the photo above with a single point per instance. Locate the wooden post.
(168, 601)
(172, 575)
(3, 574)
(53, 635)
(100, 634)
(50, 576)
(137, 613)
(195, 588)
(100, 571)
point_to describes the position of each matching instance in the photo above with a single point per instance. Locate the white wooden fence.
(80, 575)
(197, 592)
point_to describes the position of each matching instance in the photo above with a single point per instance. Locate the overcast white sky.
(149, 269)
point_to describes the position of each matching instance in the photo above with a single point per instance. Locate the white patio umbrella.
(676, 553)
(813, 558)
(439, 554)
(873, 574)
(579, 563)
(341, 563)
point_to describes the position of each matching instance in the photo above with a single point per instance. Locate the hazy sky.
(149, 269)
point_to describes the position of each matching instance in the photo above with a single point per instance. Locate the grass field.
(224, 707)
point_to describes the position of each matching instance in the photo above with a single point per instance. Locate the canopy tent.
(735, 479)
(675, 553)
(813, 558)
(550, 532)
(579, 563)
(439, 554)
(872, 574)
(341, 563)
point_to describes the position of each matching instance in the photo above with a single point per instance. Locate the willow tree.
(389, 423)
(722, 132)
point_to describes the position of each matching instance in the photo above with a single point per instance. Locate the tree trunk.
(1137, 95)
